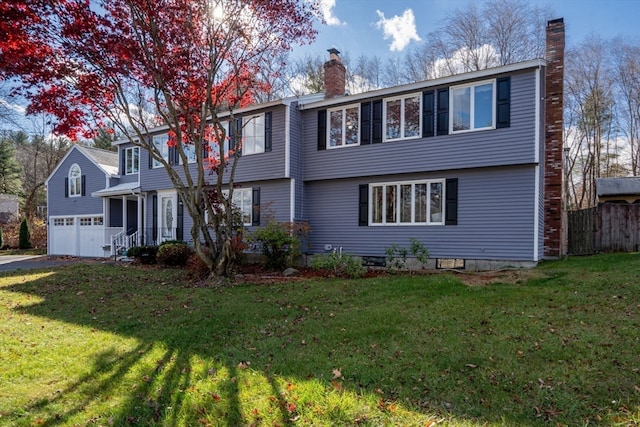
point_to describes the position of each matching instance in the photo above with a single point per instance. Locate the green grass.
(98, 344)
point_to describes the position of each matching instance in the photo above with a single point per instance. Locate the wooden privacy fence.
(611, 227)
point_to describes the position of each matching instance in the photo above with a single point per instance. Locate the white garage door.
(76, 236)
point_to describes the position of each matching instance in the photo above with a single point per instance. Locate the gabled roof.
(628, 186)
(107, 161)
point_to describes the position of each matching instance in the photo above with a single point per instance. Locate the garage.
(79, 235)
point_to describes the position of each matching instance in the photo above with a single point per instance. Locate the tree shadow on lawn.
(252, 355)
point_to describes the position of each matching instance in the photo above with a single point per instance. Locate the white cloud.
(326, 8)
(402, 29)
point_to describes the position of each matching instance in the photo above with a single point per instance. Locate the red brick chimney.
(334, 75)
(554, 223)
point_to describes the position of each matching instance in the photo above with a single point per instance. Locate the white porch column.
(125, 226)
(140, 217)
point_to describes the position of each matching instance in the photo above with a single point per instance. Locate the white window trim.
(129, 152)
(78, 188)
(240, 191)
(384, 185)
(244, 135)
(343, 109)
(402, 120)
(472, 107)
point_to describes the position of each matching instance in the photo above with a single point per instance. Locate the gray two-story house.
(470, 165)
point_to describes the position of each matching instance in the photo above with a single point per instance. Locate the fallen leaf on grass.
(336, 374)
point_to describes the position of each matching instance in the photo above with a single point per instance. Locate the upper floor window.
(75, 181)
(253, 135)
(190, 152)
(132, 160)
(411, 202)
(472, 107)
(402, 117)
(343, 126)
(162, 144)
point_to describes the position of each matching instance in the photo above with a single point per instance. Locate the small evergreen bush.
(173, 253)
(277, 244)
(1, 239)
(144, 254)
(24, 238)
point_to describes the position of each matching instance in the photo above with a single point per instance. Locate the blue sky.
(357, 27)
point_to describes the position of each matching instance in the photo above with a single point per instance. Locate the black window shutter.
(322, 130)
(173, 156)
(151, 145)
(232, 135)
(239, 135)
(363, 205)
(365, 123)
(376, 123)
(255, 206)
(180, 219)
(451, 208)
(428, 118)
(83, 185)
(503, 102)
(267, 131)
(123, 162)
(66, 187)
(154, 218)
(443, 112)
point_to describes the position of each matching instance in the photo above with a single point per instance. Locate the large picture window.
(472, 107)
(410, 202)
(344, 127)
(132, 160)
(402, 117)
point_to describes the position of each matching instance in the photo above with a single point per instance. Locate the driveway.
(27, 262)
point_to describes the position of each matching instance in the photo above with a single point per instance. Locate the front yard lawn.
(98, 344)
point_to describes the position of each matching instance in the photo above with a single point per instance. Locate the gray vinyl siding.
(95, 179)
(274, 202)
(488, 148)
(296, 159)
(496, 217)
(253, 167)
(125, 179)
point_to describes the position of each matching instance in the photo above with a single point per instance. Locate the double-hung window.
(343, 126)
(162, 144)
(243, 201)
(189, 152)
(407, 203)
(472, 107)
(132, 160)
(402, 117)
(253, 135)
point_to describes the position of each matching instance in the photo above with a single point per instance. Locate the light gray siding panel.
(496, 217)
(296, 159)
(489, 148)
(95, 179)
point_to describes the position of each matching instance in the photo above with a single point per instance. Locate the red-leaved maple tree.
(137, 64)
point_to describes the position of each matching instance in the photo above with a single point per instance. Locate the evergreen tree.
(10, 182)
(24, 239)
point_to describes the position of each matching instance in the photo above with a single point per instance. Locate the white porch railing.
(123, 241)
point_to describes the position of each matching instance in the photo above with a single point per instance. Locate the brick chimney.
(334, 75)
(554, 224)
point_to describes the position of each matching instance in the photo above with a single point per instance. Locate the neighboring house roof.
(120, 189)
(618, 186)
(105, 160)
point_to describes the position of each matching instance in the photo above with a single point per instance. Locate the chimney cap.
(333, 51)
